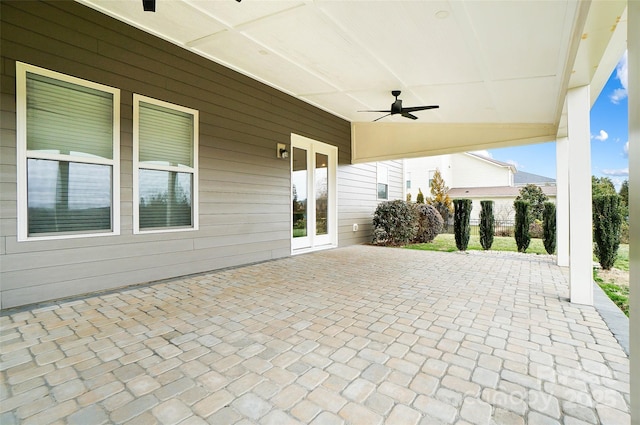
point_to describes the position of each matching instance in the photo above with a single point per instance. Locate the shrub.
(606, 228)
(535, 196)
(536, 229)
(549, 227)
(394, 223)
(487, 224)
(439, 196)
(420, 197)
(408, 197)
(429, 223)
(523, 220)
(461, 228)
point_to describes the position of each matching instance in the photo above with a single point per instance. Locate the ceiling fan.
(396, 108)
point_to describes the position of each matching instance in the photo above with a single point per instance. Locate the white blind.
(166, 136)
(69, 119)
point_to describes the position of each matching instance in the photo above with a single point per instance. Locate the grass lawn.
(446, 242)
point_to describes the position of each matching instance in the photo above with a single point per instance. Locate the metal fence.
(501, 227)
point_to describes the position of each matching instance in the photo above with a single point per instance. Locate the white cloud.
(602, 136)
(484, 153)
(622, 74)
(616, 172)
(626, 149)
(515, 164)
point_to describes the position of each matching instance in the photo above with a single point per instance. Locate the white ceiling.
(489, 62)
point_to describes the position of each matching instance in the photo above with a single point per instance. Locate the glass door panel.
(322, 193)
(299, 183)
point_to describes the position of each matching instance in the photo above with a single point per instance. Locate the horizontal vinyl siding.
(357, 199)
(244, 189)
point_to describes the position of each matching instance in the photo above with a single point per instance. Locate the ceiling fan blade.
(369, 110)
(419, 108)
(382, 116)
(408, 115)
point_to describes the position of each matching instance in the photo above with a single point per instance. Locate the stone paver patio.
(357, 335)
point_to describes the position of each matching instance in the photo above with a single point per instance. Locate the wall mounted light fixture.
(281, 151)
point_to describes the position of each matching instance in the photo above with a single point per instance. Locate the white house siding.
(244, 189)
(357, 193)
(471, 171)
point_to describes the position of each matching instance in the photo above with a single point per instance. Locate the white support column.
(633, 52)
(562, 201)
(580, 233)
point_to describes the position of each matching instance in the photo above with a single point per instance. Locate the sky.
(609, 137)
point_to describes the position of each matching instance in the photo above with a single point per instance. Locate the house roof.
(493, 161)
(495, 192)
(521, 178)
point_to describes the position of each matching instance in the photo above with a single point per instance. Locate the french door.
(313, 195)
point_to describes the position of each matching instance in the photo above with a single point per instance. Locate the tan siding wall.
(244, 188)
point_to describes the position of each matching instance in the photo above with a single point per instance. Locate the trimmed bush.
(549, 227)
(420, 197)
(487, 224)
(429, 223)
(461, 228)
(523, 220)
(394, 223)
(607, 221)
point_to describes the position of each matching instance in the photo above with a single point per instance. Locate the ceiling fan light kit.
(396, 108)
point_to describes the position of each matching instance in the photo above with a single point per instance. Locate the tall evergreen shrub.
(549, 227)
(487, 224)
(420, 197)
(523, 221)
(606, 228)
(461, 228)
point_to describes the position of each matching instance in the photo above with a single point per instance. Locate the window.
(431, 174)
(165, 160)
(383, 182)
(68, 133)
(408, 180)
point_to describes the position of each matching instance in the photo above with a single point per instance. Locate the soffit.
(499, 64)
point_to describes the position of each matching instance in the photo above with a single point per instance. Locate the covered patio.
(356, 335)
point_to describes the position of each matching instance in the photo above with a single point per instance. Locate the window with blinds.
(165, 160)
(68, 155)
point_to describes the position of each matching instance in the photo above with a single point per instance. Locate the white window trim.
(23, 154)
(137, 98)
(378, 180)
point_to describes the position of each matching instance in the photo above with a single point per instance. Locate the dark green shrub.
(606, 228)
(549, 227)
(487, 224)
(420, 197)
(461, 228)
(394, 223)
(523, 220)
(429, 223)
(536, 230)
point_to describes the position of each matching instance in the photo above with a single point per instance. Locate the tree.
(624, 193)
(606, 228)
(602, 186)
(420, 197)
(487, 224)
(440, 197)
(461, 228)
(523, 221)
(536, 198)
(549, 227)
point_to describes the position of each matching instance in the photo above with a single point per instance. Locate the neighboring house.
(472, 176)
(127, 159)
